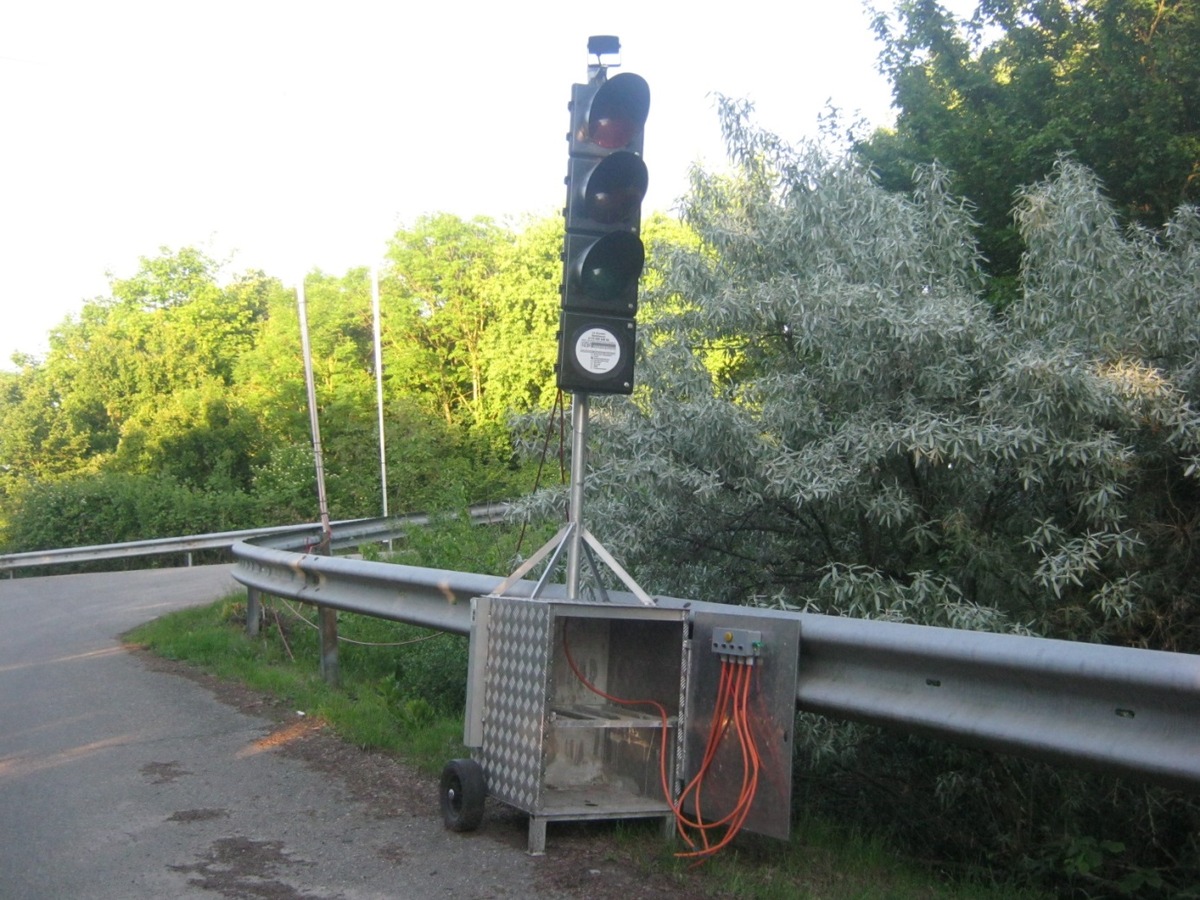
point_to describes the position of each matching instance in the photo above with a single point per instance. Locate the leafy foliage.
(873, 440)
(181, 378)
(998, 98)
(109, 507)
(444, 270)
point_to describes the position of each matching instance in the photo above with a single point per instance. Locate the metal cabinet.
(543, 718)
(606, 711)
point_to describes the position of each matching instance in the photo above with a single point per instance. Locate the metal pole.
(579, 424)
(379, 387)
(327, 618)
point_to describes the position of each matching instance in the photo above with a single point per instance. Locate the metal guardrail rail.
(1121, 709)
(1134, 711)
(349, 533)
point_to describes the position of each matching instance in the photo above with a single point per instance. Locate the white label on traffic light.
(597, 351)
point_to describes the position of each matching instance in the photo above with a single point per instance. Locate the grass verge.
(401, 687)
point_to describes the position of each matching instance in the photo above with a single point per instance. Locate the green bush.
(112, 508)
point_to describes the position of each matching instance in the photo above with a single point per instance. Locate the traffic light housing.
(603, 253)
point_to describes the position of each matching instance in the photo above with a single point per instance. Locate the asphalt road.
(119, 781)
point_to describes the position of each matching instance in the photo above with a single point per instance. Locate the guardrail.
(348, 533)
(1127, 710)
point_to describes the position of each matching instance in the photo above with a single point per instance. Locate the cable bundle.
(731, 712)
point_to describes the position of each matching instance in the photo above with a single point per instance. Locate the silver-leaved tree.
(830, 417)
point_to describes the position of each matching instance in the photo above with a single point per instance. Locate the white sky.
(300, 135)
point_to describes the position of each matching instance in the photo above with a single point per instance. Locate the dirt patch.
(163, 772)
(583, 859)
(197, 815)
(242, 868)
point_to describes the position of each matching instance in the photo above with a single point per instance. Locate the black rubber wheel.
(463, 792)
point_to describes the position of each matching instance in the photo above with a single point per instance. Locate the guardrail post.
(253, 611)
(327, 622)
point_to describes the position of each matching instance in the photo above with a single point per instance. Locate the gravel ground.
(582, 859)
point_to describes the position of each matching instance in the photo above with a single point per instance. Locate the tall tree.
(441, 301)
(520, 345)
(830, 416)
(997, 99)
(138, 378)
(36, 442)
(270, 383)
(169, 328)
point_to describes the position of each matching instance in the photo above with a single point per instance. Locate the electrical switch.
(737, 643)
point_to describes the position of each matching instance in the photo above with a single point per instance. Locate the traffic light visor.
(618, 111)
(615, 189)
(612, 267)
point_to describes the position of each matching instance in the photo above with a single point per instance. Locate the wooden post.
(253, 612)
(327, 618)
(327, 622)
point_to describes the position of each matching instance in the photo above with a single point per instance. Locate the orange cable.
(716, 732)
(720, 727)
(751, 766)
(732, 707)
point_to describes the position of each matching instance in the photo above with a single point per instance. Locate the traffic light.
(602, 250)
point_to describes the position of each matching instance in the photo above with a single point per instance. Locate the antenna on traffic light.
(603, 258)
(606, 48)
